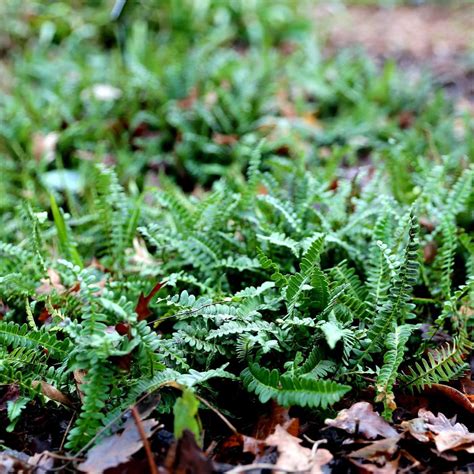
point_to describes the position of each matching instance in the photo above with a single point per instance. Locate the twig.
(66, 432)
(253, 467)
(218, 413)
(146, 444)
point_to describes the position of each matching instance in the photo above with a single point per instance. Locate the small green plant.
(220, 208)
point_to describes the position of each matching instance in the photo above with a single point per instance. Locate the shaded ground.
(434, 36)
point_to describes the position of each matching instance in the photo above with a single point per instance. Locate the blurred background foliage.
(186, 89)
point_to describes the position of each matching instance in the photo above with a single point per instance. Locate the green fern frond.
(14, 335)
(442, 365)
(398, 305)
(388, 373)
(291, 390)
(444, 261)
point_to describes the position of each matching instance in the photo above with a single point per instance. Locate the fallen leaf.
(294, 457)
(406, 119)
(116, 449)
(429, 252)
(189, 101)
(52, 392)
(142, 309)
(42, 462)
(452, 394)
(379, 455)
(361, 418)
(185, 457)
(267, 423)
(12, 393)
(50, 284)
(391, 467)
(79, 376)
(445, 433)
(222, 139)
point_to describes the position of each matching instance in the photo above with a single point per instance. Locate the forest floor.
(430, 429)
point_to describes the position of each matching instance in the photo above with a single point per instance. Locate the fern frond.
(14, 335)
(396, 347)
(444, 261)
(291, 390)
(398, 307)
(442, 365)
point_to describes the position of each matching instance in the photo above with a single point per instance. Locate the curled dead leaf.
(445, 433)
(118, 448)
(452, 394)
(361, 418)
(294, 457)
(52, 392)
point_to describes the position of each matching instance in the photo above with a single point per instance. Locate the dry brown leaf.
(79, 376)
(53, 282)
(278, 415)
(377, 456)
(361, 418)
(186, 457)
(391, 467)
(42, 462)
(294, 457)
(52, 392)
(222, 139)
(116, 449)
(453, 394)
(445, 433)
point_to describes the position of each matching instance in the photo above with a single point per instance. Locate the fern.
(291, 390)
(442, 365)
(397, 308)
(14, 335)
(388, 373)
(310, 277)
(444, 261)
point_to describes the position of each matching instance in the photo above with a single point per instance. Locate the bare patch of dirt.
(440, 37)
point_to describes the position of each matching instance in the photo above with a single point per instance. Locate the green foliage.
(185, 415)
(271, 192)
(396, 346)
(290, 390)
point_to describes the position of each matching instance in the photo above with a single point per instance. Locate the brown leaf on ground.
(279, 415)
(377, 456)
(185, 457)
(445, 433)
(188, 101)
(452, 394)
(12, 393)
(391, 467)
(294, 457)
(52, 392)
(116, 449)
(142, 308)
(53, 282)
(222, 139)
(429, 252)
(361, 418)
(42, 462)
(79, 376)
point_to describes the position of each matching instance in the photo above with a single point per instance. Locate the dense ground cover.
(197, 202)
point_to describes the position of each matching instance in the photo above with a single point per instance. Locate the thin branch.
(146, 444)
